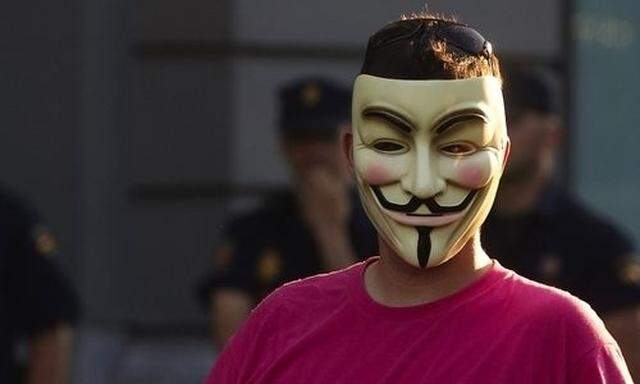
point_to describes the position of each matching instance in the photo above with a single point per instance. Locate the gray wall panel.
(103, 94)
(607, 161)
(186, 19)
(178, 132)
(520, 27)
(168, 248)
(314, 22)
(180, 121)
(38, 112)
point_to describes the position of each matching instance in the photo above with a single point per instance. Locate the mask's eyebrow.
(456, 117)
(393, 118)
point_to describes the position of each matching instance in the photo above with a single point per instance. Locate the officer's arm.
(624, 326)
(325, 204)
(51, 309)
(49, 355)
(44, 303)
(227, 292)
(229, 307)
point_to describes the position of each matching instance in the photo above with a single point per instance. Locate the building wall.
(38, 121)
(607, 118)
(134, 126)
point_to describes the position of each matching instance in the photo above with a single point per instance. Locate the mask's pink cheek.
(377, 174)
(473, 175)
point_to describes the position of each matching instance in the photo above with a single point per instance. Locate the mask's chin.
(422, 240)
(426, 246)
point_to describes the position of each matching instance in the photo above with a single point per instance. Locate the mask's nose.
(423, 179)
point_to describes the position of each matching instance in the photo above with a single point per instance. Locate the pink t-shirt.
(502, 328)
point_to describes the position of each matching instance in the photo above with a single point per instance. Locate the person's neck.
(394, 283)
(519, 197)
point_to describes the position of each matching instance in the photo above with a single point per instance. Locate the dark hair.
(426, 46)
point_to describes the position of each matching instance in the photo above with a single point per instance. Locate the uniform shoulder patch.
(269, 265)
(223, 256)
(311, 95)
(629, 271)
(550, 267)
(44, 241)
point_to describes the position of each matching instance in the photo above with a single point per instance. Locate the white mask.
(428, 156)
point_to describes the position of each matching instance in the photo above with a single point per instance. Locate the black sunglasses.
(460, 36)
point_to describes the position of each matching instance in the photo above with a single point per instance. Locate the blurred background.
(136, 127)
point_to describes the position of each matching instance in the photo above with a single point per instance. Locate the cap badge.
(310, 95)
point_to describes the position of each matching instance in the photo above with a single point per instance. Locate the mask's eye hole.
(458, 149)
(389, 146)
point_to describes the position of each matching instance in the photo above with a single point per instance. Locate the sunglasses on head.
(460, 36)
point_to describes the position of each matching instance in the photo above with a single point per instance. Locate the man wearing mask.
(546, 234)
(310, 228)
(428, 147)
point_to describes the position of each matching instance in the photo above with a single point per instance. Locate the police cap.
(313, 108)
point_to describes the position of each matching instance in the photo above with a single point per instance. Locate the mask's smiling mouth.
(439, 215)
(424, 220)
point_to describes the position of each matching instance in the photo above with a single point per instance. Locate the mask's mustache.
(415, 203)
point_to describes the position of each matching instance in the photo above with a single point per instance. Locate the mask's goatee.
(424, 245)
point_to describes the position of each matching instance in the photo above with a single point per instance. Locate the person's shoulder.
(539, 296)
(286, 314)
(558, 309)
(321, 286)
(295, 305)
(328, 281)
(314, 293)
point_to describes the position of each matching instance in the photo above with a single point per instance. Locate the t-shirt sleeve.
(602, 365)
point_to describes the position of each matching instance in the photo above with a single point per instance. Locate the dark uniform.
(33, 294)
(273, 245)
(564, 244)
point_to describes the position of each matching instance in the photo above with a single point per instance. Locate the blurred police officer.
(37, 304)
(542, 232)
(313, 227)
